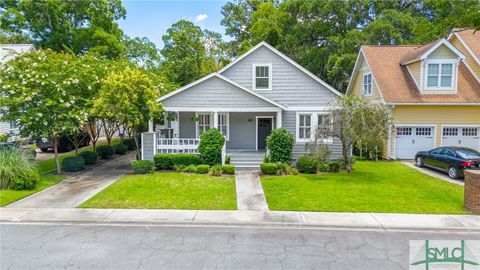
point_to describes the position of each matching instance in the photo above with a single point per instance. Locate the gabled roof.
(397, 86)
(9, 51)
(268, 46)
(470, 39)
(422, 52)
(217, 75)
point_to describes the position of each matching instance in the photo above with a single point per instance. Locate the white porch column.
(279, 119)
(215, 119)
(150, 125)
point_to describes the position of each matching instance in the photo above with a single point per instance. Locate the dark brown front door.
(263, 130)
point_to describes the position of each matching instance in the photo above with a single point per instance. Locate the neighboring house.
(8, 52)
(261, 90)
(433, 92)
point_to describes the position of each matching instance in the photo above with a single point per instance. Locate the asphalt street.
(57, 246)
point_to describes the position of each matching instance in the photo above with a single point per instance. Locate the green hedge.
(334, 166)
(307, 164)
(215, 170)
(203, 168)
(168, 161)
(90, 157)
(130, 143)
(210, 147)
(280, 146)
(228, 169)
(73, 164)
(143, 166)
(105, 151)
(163, 161)
(120, 149)
(269, 168)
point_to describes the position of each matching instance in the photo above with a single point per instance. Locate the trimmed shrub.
(323, 167)
(190, 169)
(142, 166)
(120, 149)
(228, 169)
(286, 169)
(130, 143)
(292, 171)
(269, 168)
(280, 146)
(178, 168)
(334, 166)
(185, 159)
(105, 151)
(90, 157)
(16, 170)
(163, 161)
(73, 164)
(210, 147)
(203, 169)
(307, 164)
(215, 170)
(3, 138)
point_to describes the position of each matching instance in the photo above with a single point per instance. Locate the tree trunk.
(110, 128)
(135, 137)
(346, 157)
(55, 150)
(92, 128)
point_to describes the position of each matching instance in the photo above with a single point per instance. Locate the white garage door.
(410, 140)
(461, 136)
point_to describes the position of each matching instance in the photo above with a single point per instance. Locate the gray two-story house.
(259, 91)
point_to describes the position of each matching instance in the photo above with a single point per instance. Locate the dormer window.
(262, 77)
(367, 84)
(440, 75)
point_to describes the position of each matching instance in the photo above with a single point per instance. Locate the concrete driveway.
(50, 155)
(433, 173)
(77, 189)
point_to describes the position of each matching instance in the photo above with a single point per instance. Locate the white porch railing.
(177, 146)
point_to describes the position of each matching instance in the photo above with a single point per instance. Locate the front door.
(264, 127)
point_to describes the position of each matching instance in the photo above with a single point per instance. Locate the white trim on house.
(320, 108)
(354, 71)
(254, 76)
(197, 125)
(227, 118)
(434, 134)
(441, 42)
(230, 109)
(256, 128)
(465, 45)
(413, 78)
(436, 103)
(440, 63)
(222, 78)
(313, 127)
(363, 84)
(263, 43)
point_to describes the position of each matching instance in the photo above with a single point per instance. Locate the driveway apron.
(249, 189)
(79, 188)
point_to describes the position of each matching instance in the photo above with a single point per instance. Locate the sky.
(152, 18)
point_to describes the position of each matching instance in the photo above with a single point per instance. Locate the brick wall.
(472, 191)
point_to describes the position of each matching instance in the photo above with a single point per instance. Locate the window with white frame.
(262, 77)
(13, 124)
(304, 126)
(448, 131)
(440, 75)
(223, 124)
(473, 131)
(367, 84)
(324, 123)
(203, 123)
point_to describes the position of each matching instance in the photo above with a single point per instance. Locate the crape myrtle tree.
(42, 90)
(131, 96)
(355, 120)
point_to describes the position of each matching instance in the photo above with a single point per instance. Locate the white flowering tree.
(43, 91)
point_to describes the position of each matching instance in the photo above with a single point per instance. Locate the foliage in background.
(16, 170)
(280, 146)
(325, 36)
(307, 164)
(73, 164)
(210, 147)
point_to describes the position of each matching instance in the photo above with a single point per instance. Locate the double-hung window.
(440, 75)
(262, 77)
(223, 124)
(203, 123)
(13, 124)
(367, 84)
(304, 127)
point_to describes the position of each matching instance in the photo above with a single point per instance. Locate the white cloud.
(201, 17)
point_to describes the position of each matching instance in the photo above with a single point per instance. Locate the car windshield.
(468, 153)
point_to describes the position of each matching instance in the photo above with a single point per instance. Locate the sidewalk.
(373, 221)
(249, 190)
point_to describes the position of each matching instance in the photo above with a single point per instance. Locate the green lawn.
(372, 187)
(46, 180)
(167, 191)
(49, 164)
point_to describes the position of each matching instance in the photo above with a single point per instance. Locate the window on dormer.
(440, 76)
(262, 77)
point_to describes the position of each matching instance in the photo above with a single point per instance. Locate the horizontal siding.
(357, 86)
(472, 63)
(243, 130)
(290, 85)
(415, 70)
(148, 146)
(186, 125)
(217, 93)
(442, 52)
(289, 123)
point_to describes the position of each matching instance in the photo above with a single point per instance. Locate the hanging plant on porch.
(195, 118)
(171, 117)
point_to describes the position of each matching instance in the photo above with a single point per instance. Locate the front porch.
(245, 133)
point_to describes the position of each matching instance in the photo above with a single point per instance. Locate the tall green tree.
(79, 26)
(142, 52)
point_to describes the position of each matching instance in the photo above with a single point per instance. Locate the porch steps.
(248, 160)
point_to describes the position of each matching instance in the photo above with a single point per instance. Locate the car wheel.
(419, 162)
(453, 172)
(44, 150)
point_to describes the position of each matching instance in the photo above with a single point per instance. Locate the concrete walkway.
(433, 173)
(371, 221)
(249, 189)
(79, 188)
